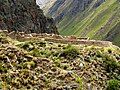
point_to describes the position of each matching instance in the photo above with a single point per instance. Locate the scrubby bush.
(113, 85)
(110, 63)
(27, 46)
(35, 53)
(109, 51)
(47, 53)
(70, 52)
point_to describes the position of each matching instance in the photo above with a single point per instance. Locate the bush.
(35, 53)
(70, 52)
(111, 64)
(26, 46)
(113, 85)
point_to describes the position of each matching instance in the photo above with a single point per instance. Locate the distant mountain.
(45, 4)
(48, 5)
(97, 19)
(26, 16)
(42, 3)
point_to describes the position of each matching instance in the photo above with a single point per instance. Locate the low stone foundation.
(82, 42)
(21, 36)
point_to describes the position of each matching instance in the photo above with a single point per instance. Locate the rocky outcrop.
(25, 16)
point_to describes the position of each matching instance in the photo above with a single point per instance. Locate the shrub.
(109, 51)
(110, 63)
(78, 80)
(35, 53)
(70, 52)
(47, 53)
(113, 85)
(27, 46)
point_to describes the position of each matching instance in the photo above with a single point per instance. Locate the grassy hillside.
(43, 65)
(94, 22)
(114, 35)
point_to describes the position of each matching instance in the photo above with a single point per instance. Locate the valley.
(59, 45)
(96, 19)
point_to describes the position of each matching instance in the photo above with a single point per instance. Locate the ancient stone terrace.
(21, 36)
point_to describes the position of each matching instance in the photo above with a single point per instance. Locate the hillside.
(34, 56)
(24, 16)
(97, 19)
(38, 64)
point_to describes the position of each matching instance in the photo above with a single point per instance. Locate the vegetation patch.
(113, 85)
(42, 65)
(70, 52)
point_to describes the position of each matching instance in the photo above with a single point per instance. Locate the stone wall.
(82, 42)
(21, 36)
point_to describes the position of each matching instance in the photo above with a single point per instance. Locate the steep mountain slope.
(24, 15)
(96, 19)
(67, 8)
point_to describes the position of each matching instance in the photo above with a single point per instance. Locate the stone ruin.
(56, 38)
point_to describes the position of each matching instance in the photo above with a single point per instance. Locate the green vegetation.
(111, 64)
(113, 85)
(100, 22)
(45, 65)
(79, 80)
(70, 52)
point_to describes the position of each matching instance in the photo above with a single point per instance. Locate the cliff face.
(24, 15)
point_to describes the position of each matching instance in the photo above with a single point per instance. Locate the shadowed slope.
(24, 15)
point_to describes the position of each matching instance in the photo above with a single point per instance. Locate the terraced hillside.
(97, 19)
(38, 64)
